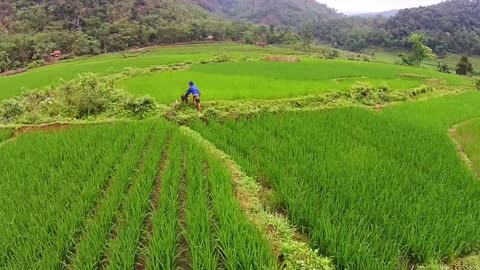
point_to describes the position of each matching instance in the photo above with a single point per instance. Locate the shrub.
(37, 63)
(443, 67)
(464, 67)
(11, 109)
(477, 84)
(140, 107)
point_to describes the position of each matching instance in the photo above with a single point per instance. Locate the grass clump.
(87, 96)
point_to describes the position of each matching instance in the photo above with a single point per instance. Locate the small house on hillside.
(56, 53)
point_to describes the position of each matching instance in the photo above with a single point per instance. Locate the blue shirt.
(193, 90)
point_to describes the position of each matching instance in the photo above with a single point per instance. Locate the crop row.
(121, 196)
(374, 190)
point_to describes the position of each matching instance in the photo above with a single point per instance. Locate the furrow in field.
(141, 260)
(89, 249)
(183, 260)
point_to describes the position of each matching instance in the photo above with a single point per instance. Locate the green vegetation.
(110, 211)
(420, 51)
(464, 67)
(269, 80)
(87, 96)
(468, 135)
(374, 190)
(114, 63)
(5, 134)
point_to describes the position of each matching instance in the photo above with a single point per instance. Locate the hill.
(279, 12)
(451, 26)
(31, 30)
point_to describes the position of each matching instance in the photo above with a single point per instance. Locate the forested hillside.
(293, 13)
(31, 29)
(451, 26)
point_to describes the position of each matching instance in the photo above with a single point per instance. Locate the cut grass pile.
(67, 204)
(114, 63)
(468, 135)
(270, 80)
(374, 190)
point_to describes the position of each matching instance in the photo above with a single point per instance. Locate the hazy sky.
(375, 5)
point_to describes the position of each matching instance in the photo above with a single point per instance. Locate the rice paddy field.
(374, 190)
(390, 187)
(271, 80)
(154, 201)
(114, 63)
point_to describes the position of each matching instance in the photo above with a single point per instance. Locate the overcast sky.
(375, 5)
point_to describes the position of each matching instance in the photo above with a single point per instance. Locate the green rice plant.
(122, 250)
(56, 168)
(98, 228)
(239, 243)
(374, 190)
(162, 250)
(199, 220)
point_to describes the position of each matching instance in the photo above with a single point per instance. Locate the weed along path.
(466, 136)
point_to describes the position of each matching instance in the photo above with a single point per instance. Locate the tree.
(443, 67)
(464, 67)
(306, 35)
(420, 51)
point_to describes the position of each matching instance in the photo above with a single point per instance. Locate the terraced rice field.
(374, 190)
(270, 80)
(133, 195)
(114, 63)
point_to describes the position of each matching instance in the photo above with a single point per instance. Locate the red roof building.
(56, 53)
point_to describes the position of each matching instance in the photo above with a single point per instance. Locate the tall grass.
(374, 190)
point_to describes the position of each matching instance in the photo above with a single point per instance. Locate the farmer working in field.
(193, 89)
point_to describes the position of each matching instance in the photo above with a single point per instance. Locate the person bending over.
(195, 92)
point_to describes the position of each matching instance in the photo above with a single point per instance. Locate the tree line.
(451, 26)
(30, 30)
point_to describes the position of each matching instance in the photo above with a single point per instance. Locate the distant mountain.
(278, 12)
(385, 14)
